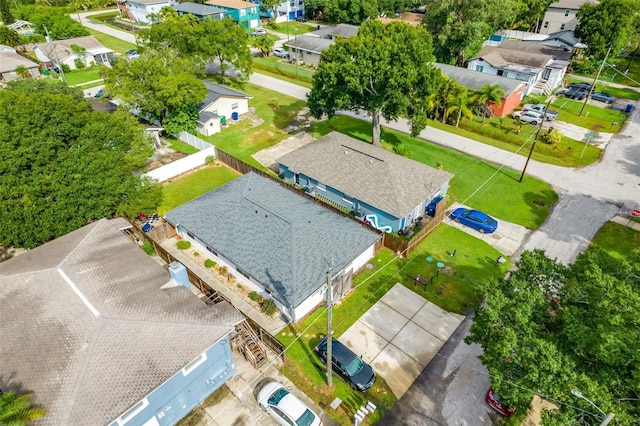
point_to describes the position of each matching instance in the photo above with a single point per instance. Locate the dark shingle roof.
(340, 30)
(216, 91)
(88, 361)
(390, 182)
(283, 240)
(475, 80)
(197, 9)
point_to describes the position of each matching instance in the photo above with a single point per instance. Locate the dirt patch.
(162, 157)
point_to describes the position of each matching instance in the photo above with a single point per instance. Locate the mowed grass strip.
(592, 118)
(616, 239)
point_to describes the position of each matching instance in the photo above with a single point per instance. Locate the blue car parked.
(475, 219)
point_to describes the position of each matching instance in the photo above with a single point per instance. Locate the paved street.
(122, 35)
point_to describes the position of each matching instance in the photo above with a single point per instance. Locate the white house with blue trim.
(387, 190)
(101, 334)
(275, 241)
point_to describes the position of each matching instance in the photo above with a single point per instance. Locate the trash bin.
(317, 27)
(629, 108)
(234, 116)
(146, 227)
(223, 120)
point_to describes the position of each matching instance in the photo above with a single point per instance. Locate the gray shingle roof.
(390, 182)
(311, 44)
(475, 80)
(280, 238)
(571, 4)
(86, 369)
(216, 91)
(10, 60)
(197, 9)
(340, 30)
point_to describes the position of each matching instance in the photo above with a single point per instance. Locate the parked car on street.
(603, 97)
(581, 87)
(531, 117)
(493, 400)
(259, 32)
(99, 93)
(475, 219)
(301, 19)
(355, 371)
(280, 53)
(540, 108)
(282, 405)
(572, 94)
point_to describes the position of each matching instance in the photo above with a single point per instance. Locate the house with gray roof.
(200, 11)
(10, 61)
(540, 66)
(387, 190)
(220, 105)
(276, 242)
(514, 90)
(332, 32)
(307, 48)
(101, 334)
(63, 51)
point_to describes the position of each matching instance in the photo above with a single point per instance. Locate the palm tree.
(22, 71)
(460, 104)
(16, 410)
(490, 93)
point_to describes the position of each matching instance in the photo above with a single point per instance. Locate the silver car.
(531, 117)
(284, 406)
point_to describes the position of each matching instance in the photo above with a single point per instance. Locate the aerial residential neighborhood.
(319, 213)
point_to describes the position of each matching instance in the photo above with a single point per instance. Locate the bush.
(65, 68)
(551, 136)
(196, 254)
(269, 307)
(183, 245)
(148, 248)
(224, 270)
(210, 159)
(79, 63)
(254, 296)
(209, 263)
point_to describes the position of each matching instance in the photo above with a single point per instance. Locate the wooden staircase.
(247, 342)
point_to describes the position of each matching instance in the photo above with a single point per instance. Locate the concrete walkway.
(626, 222)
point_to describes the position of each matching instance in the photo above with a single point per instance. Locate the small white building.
(94, 53)
(221, 104)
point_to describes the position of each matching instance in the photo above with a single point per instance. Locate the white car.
(280, 52)
(531, 117)
(283, 406)
(259, 32)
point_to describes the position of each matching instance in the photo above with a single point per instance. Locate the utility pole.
(533, 145)
(595, 80)
(296, 43)
(55, 54)
(606, 418)
(329, 326)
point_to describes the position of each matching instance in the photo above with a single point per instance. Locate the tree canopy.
(384, 70)
(65, 165)
(550, 329)
(608, 24)
(460, 27)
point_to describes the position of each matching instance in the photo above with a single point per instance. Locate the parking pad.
(400, 335)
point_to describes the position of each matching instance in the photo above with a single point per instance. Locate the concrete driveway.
(578, 133)
(399, 336)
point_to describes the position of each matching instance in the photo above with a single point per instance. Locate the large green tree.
(550, 329)
(608, 24)
(9, 37)
(488, 94)
(460, 26)
(529, 13)
(64, 164)
(384, 70)
(57, 22)
(5, 12)
(16, 410)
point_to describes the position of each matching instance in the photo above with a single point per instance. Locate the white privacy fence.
(182, 165)
(193, 140)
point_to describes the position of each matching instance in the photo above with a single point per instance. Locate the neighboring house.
(514, 90)
(307, 49)
(287, 10)
(246, 14)
(10, 61)
(564, 39)
(200, 11)
(333, 32)
(101, 335)
(24, 28)
(276, 242)
(387, 190)
(220, 105)
(139, 10)
(49, 54)
(541, 67)
(561, 15)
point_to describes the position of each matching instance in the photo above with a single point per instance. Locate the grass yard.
(180, 146)
(78, 77)
(283, 70)
(192, 185)
(617, 240)
(478, 183)
(111, 42)
(592, 118)
(291, 28)
(454, 289)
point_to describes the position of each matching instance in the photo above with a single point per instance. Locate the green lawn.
(454, 289)
(193, 185)
(592, 118)
(112, 43)
(279, 68)
(609, 75)
(478, 183)
(180, 146)
(291, 27)
(77, 77)
(616, 239)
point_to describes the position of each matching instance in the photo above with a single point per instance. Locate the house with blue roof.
(220, 105)
(200, 11)
(245, 13)
(276, 242)
(387, 190)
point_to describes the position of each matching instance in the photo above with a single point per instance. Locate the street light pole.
(296, 43)
(595, 80)
(55, 54)
(606, 418)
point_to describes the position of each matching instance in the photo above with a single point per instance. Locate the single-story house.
(200, 11)
(101, 334)
(542, 67)
(245, 13)
(275, 241)
(22, 27)
(220, 105)
(307, 49)
(10, 60)
(387, 190)
(333, 32)
(139, 10)
(288, 10)
(514, 90)
(49, 54)
(561, 15)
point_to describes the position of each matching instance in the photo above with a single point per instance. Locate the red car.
(493, 400)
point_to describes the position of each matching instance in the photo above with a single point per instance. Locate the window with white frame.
(522, 77)
(194, 364)
(243, 12)
(131, 413)
(234, 105)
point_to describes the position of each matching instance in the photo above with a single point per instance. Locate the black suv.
(581, 87)
(355, 371)
(572, 94)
